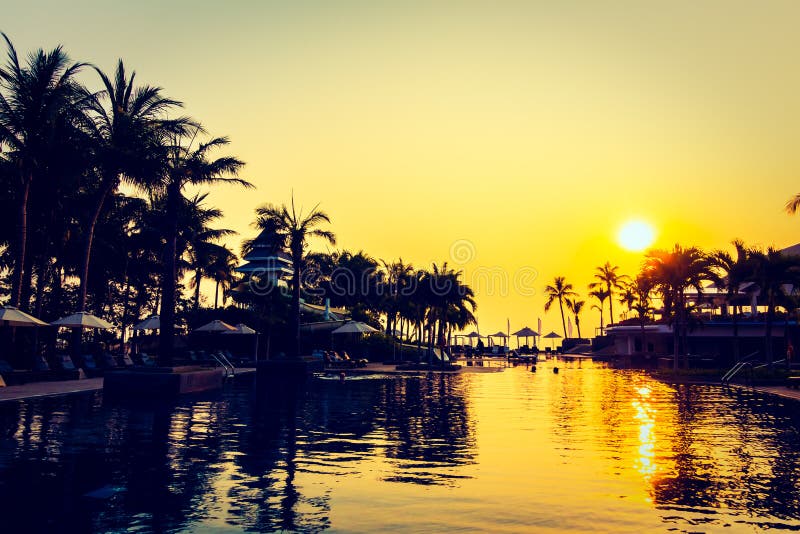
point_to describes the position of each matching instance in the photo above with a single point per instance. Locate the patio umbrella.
(552, 335)
(151, 323)
(83, 320)
(11, 316)
(526, 333)
(354, 327)
(241, 328)
(499, 334)
(472, 335)
(216, 326)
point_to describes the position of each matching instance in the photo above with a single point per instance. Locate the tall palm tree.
(128, 124)
(186, 165)
(38, 101)
(559, 291)
(607, 277)
(575, 306)
(672, 273)
(394, 282)
(293, 229)
(601, 295)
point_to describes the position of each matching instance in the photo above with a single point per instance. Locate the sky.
(511, 139)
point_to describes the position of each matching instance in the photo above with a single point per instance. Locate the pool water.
(590, 449)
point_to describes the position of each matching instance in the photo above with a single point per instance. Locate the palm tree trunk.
(22, 239)
(296, 308)
(168, 281)
(768, 330)
(610, 305)
(578, 326)
(198, 276)
(216, 295)
(87, 246)
(563, 322)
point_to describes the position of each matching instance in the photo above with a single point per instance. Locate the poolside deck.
(33, 390)
(781, 391)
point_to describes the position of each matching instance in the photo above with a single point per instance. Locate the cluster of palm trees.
(70, 237)
(428, 303)
(607, 280)
(679, 278)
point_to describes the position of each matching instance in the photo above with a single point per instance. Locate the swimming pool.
(587, 449)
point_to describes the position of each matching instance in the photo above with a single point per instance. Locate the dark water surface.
(588, 449)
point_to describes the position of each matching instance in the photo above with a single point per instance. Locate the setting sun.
(636, 235)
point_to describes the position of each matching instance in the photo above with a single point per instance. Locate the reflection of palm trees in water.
(428, 428)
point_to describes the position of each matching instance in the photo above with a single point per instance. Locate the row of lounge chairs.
(341, 359)
(62, 367)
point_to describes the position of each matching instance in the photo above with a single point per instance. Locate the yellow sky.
(529, 130)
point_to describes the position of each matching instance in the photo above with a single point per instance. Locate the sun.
(636, 235)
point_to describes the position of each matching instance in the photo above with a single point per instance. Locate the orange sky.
(527, 130)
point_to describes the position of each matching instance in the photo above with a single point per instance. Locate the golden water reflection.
(587, 449)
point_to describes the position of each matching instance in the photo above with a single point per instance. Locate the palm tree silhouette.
(39, 102)
(184, 166)
(601, 295)
(127, 124)
(672, 273)
(608, 278)
(293, 229)
(559, 290)
(575, 306)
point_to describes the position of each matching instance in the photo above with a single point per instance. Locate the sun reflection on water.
(645, 415)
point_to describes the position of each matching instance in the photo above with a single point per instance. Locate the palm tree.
(672, 273)
(451, 302)
(559, 290)
(38, 102)
(222, 270)
(198, 239)
(127, 132)
(640, 289)
(607, 277)
(293, 230)
(184, 166)
(772, 273)
(732, 272)
(394, 282)
(601, 295)
(575, 306)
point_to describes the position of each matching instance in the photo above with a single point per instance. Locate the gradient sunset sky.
(525, 133)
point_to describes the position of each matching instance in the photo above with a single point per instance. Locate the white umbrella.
(83, 320)
(151, 323)
(13, 317)
(354, 327)
(241, 328)
(216, 326)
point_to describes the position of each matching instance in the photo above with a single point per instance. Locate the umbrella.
(552, 335)
(216, 326)
(11, 316)
(354, 327)
(151, 323)
(83, 320)
(241, 328)
(526, 333)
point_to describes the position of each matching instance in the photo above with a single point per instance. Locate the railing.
(230, 369)
(741, 364)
